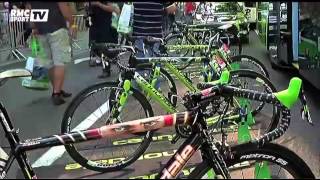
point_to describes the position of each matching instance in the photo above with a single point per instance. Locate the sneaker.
(92, 63)
(95, 62)
(65, 94)
(57, 99)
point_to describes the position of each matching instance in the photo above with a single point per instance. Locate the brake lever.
(305, 113)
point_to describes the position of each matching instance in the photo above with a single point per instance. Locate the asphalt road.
(35, 116)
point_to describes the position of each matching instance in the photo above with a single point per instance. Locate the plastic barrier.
(81, 23)
(11, 35)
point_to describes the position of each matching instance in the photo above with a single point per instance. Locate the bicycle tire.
(173, 37)
(172, 85)
(270, 87)
(255, 76)
(272, 153)
(67, 118)
(252, 60)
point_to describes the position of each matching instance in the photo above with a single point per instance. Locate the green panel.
(310, 46)
(262, 23)
(262, 171)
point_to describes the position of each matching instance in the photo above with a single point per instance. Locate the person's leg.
(140, 53)
(139, 45)
(57, 78)
(155, 48)
(61, 54)
(112, 38)
(93, 36)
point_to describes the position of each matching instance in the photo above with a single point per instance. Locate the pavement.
(35, 116)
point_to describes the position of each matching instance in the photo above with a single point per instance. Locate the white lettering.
(39, 15)
(177, 165)
(13, 13)
(20, 12)
(27, 13)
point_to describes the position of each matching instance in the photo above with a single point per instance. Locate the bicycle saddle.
(103, 48)
(13, 73)
(146, 39)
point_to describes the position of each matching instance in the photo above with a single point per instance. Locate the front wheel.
(271, 161)
(176, 40)
(96, 106)
(248, 62)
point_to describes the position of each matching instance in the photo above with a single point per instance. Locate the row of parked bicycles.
(230, 115)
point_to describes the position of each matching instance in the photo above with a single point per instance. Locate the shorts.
(56, 48)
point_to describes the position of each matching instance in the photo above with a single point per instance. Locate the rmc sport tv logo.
(26, 15)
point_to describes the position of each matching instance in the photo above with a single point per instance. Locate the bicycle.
(184, 34)
(116, 101)
(210, 69)
(212, 154)
(221, 50)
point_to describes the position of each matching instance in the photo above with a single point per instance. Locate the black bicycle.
(225, 161)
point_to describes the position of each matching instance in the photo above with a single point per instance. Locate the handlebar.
(283, 99)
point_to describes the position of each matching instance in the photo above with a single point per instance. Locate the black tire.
(249, 59)
(69, 114)
(273, 153)
(269, 87)
(176, 38)
(171, 95)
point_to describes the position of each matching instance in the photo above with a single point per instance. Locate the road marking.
(54, 153)
(77, 61)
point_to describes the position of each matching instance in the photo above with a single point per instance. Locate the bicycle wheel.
(165, 85)
(248, 62)
(250, 79)
(176, 39)
(92, 108)
(263, 117)
(250, 162)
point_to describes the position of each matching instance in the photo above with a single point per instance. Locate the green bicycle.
(200, 35)
(117, 100)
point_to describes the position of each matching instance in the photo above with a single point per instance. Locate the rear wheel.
(248, 62)
(93, 108)
(174, 40)
(250, 162)
(265, 115)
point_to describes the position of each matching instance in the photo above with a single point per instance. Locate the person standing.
(54, 37)
(190, 7)
(101, 30)
(148, 17)
(148, 20)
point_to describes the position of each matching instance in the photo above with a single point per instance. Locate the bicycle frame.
(150, 90)
(18, 148)
(181, 157)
